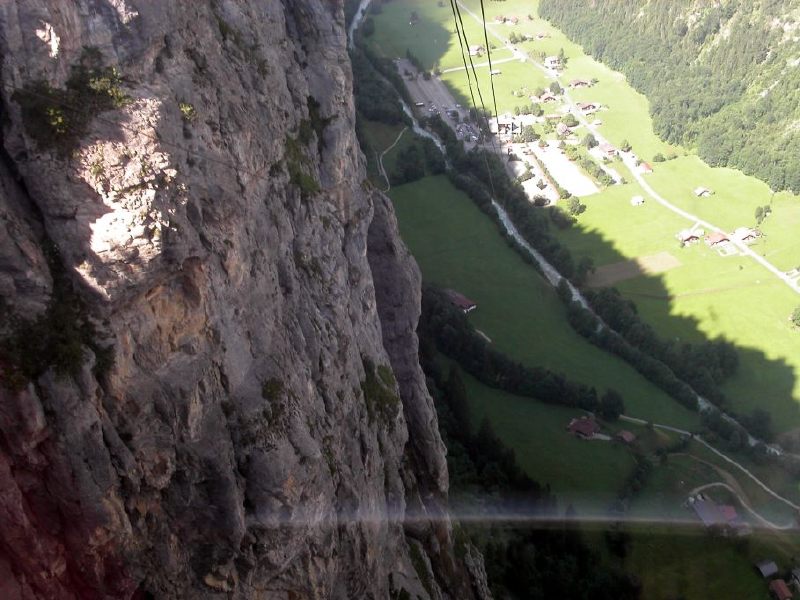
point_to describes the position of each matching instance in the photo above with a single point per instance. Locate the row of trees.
(704, 365)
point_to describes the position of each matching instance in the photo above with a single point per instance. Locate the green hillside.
(722, 77)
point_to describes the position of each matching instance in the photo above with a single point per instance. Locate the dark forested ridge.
(723, 76)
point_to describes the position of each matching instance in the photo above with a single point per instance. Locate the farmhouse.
(552, 62)
(460, 301)
(579, 83)
(585, 427)
(645, 168)
(708, 512)
(780, 590)
(626, 437)
(547, 97)
(588, 107)
(717, 239)
(767, 568)
(476, 50)
(608, 150)
(745, 235)
(637, 200)
(703, 192)
(688, 236)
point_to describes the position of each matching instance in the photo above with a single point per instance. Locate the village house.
(585, 427)
(767, 568)
(579, 83)
(703, 192)
(513, 20)
(476, 50)
(637, 200)
(745, 235)
(547, 97)
(608, 150)
(499, 19)
(588, 107)
(542, 35)
(779, 590)
(645, 168)
(713, 514)
(716, 239)
(552, 62)
(460, 301)
(689, 236)
(562, 129)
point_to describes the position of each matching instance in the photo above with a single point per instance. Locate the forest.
(721, 77)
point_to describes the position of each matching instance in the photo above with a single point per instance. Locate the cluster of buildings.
(587, 428)
(717, 239)
(506, 20)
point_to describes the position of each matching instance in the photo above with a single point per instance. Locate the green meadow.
(459, 247)
(586, 474)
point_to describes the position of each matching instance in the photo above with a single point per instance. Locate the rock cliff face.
(182, 190)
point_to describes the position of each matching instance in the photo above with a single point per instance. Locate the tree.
(625, 146)
(659, 158)
(611, 405)
(555, 88)
(796, 317)
(570, 120)
(590, 141)
(575, 207)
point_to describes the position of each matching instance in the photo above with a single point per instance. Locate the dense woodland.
(721, 77)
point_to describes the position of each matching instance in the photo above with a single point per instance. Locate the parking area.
(564, 171)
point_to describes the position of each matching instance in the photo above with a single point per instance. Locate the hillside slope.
(722, 76)
(210, 385)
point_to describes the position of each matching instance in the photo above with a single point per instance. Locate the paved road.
(629, 161)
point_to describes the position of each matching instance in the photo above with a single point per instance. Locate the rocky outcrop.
(185, 176)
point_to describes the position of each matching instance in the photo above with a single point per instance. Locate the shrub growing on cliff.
(378, 390)
(59, 117)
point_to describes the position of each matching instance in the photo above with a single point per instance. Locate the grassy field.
(583, 473)
(432, 39)
(707, 297)
(692, 565)
(514, 77)
(459, 247)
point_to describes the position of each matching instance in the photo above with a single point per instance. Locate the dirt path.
(764, 521)
(380, 159)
